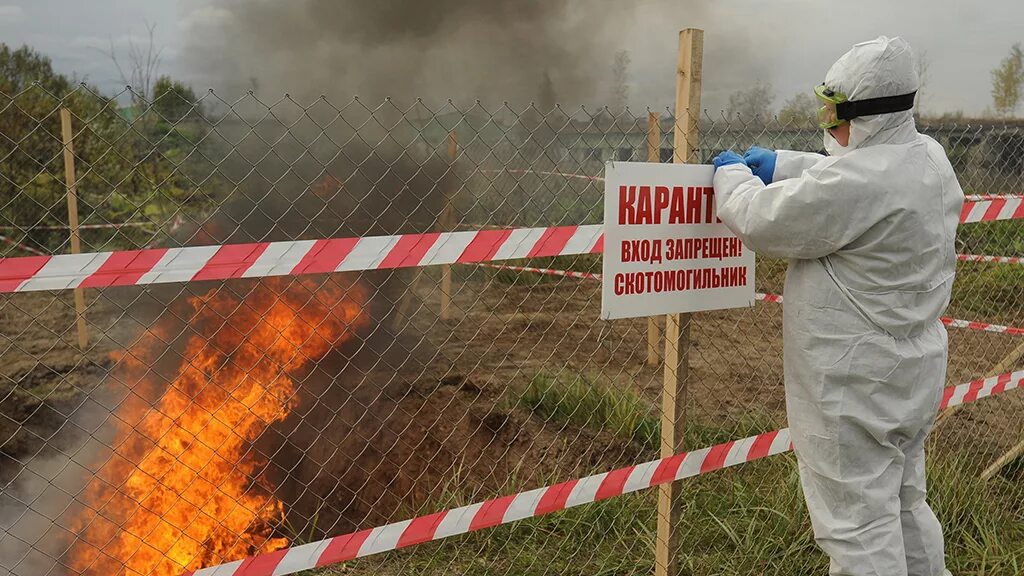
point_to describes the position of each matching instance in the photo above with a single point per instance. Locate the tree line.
(756, 103)
(136, 160)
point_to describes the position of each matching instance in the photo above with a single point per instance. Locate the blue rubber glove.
(761, 162)
(726, 158)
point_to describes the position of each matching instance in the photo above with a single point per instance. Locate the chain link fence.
(206, 421)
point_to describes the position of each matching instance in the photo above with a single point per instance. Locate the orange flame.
(183, 487)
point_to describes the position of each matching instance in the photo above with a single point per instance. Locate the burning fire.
(183, 487)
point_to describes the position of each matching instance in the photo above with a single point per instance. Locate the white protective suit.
(869, 234)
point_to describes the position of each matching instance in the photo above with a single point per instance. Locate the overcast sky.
(790, 43)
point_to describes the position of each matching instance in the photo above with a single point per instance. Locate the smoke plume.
(496, 50)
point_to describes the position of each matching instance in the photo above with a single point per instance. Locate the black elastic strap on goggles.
(873, 106)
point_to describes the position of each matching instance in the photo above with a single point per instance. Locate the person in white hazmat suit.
(869, 233)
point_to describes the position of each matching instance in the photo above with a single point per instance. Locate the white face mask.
(833, 147)
(863, 130)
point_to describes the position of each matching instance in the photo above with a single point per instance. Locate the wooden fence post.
(1011, 454)
(677, 326)
(447, 224)
(72, 188)
(653, 155)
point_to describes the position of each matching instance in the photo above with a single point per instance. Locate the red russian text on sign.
(667, 251)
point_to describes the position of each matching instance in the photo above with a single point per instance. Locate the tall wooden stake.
(1011, 454)
(677, 326)
(653, 155)
(447, 224)
(76, 245)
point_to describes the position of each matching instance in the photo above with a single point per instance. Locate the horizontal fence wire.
(161, 428)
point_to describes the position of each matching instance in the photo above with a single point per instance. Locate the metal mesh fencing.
(209, 420)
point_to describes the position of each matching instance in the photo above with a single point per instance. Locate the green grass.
(771, 274)
(992, 290)
(983, 521)
(749, 519)
(746, 520)
(587, 404)
(1002, 238)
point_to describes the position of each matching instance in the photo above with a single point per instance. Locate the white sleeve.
(790, 164)
(809, 216)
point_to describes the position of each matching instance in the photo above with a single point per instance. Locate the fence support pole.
(1003, 460)
(448, 224)
(653, 155)
(76, 245)
(677, 326)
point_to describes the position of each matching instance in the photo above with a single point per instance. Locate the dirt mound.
(367, 447)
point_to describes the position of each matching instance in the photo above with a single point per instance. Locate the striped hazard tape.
(162, 265)
(546, 271)
(951, 322)
(977, 197)
(81, 226)
(994, 259)
(1010, 208)
(262, 259)
(534, 503)
(545, 173)
(19, 246)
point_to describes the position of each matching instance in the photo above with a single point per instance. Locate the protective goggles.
(837, 108)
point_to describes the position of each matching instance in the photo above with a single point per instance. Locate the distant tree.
(947, 117)
(753, 104)
(20, 68)
(127, 169)
(800, 110)
(1007, 81)
(32, 181)
(620, 80)
(140, 70)
(174, 101)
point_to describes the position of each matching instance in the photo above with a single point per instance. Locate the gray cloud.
(10, 14)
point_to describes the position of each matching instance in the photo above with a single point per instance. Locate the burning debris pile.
(184, 486)
(192, 476)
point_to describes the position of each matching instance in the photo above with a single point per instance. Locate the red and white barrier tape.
(541, 501)
(544, 173)
(983, 326)
(161, 265)
(547, 271)
(1011, 208)
(19, 246)
(977, 197)
(995, 259)
(80, 227)
(951, 322)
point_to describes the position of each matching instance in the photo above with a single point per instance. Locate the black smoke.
(496, 50)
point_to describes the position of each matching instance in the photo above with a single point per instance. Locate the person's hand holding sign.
(726, 158)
